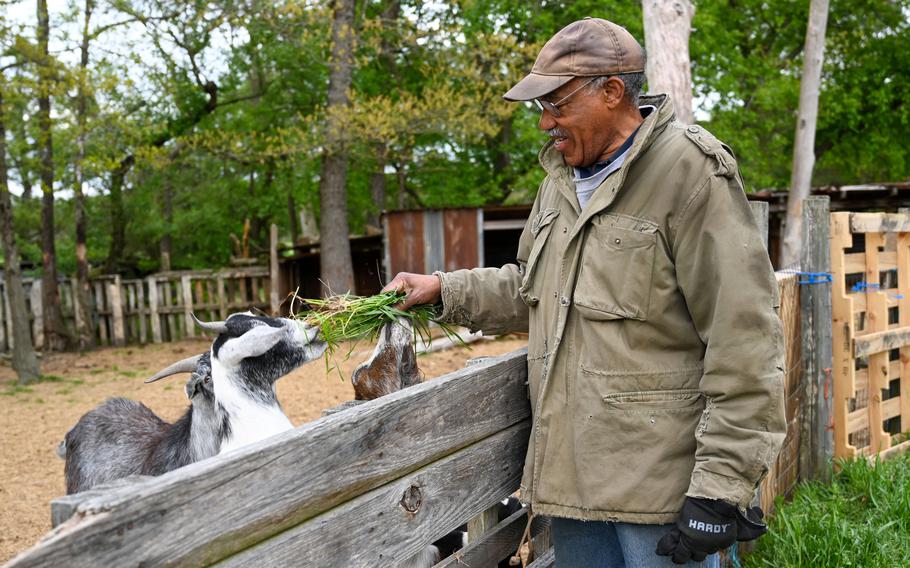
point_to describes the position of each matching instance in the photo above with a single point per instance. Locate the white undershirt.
(585, 187)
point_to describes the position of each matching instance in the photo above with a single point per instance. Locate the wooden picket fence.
(156, 309)
(870, 266)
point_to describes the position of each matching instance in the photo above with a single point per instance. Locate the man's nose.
(546, 121)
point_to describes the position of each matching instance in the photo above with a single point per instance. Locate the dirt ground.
(34, 419)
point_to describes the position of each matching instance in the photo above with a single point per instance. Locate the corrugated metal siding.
(462, 249)
(404, 242)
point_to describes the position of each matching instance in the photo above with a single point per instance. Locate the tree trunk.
(118, 217)
(167, 211)
(804, 142)
(55, 334)
(85, 330)
(377, 185)
(667, 27)
(390, 15)
(335, 247)
(402, 185)
(503, 160)
(24, 360)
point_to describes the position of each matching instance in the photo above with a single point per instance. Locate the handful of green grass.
(352, 318)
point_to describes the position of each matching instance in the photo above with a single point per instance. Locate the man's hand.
(706, 526)
(420, 289)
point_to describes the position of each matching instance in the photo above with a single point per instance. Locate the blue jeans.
(601, 544)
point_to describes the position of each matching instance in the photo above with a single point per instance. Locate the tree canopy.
(204, 115)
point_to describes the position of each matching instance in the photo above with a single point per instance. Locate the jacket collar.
(553, 163)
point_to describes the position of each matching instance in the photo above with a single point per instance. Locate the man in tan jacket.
(655, 351)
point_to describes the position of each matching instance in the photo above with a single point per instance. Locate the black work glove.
(706, 526)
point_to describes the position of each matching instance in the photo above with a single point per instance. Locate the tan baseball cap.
(587, 48)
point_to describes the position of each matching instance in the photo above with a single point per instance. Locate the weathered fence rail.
(153, 309)
(368, 486)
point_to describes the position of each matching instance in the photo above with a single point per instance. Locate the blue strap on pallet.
(814, 277)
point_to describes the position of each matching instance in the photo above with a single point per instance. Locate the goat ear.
(253, 343)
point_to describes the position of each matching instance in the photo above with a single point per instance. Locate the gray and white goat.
(233, 403)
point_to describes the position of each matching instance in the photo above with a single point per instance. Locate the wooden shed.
(424, 241)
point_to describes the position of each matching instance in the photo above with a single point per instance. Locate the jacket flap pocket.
(543, 219)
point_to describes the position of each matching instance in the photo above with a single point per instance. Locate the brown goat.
(393, 365)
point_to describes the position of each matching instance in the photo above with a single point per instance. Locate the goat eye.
(208, 379)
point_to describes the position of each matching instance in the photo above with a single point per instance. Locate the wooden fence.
(373, 484)
(152, 309)
(870, 265)
(367, 486)
(784, 474)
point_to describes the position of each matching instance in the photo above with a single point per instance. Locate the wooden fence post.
(78, 324)
(3, 345)
(154, 318)
(188, 306)
(274, 300)
(816, 433)
(142, 311)
(8, 315)
(116, 304)
(222, 299)
(38, 313)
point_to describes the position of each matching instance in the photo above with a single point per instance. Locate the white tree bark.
(667, 27)
(804, 143)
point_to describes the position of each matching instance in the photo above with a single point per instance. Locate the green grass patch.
(16, 389)
(50, 379)
(860, 519)
(129, 374)
(77, 382)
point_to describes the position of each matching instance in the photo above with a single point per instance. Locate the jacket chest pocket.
(541, 226)
(615, 277)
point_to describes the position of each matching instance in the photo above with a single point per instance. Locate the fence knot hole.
(412, 499)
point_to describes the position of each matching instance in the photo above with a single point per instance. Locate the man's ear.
(613, 92)
(253, 343)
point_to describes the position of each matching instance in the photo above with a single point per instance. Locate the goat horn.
(216, 326)
(187, 365)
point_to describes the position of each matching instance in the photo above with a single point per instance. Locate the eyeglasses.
(554, 107)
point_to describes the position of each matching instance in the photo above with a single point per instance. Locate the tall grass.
(860, 519)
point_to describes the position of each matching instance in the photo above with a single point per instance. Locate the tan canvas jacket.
(655, 351)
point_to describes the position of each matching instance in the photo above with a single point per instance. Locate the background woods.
(164, 135)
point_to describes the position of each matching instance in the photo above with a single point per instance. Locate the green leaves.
(223, 105)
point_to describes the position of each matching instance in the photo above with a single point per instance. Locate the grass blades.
(860, 519)
(347, 317)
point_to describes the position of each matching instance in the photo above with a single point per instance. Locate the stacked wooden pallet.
(870, 266)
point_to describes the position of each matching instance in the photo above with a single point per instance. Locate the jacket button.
(618, 241)
(693, 129)
(565, 229)
(533, 300)
(564, 301)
